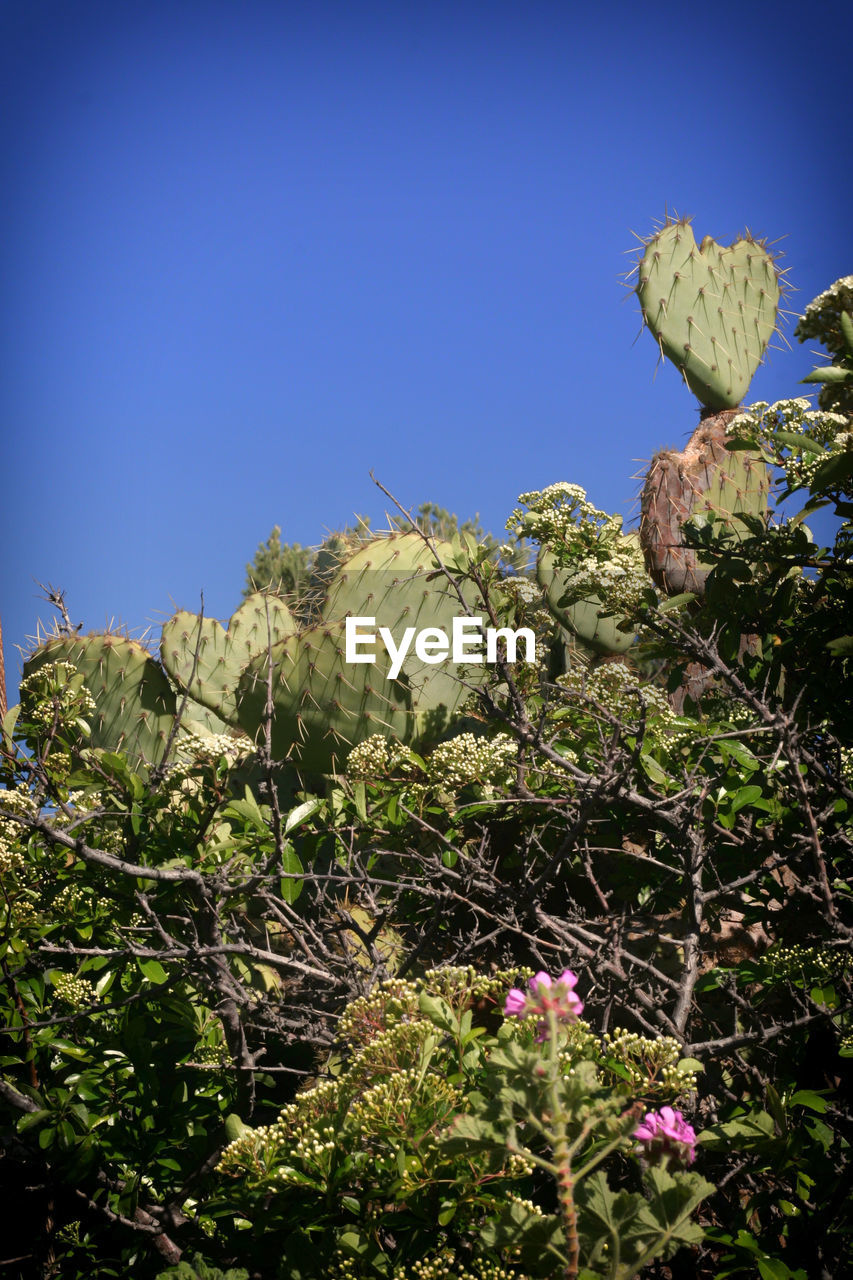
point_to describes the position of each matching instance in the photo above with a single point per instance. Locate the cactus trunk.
(705, 479)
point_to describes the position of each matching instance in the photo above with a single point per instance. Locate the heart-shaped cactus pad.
(712, 310)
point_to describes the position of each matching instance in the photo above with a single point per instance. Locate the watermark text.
(432, 644)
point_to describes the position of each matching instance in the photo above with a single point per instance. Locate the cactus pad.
(135, 704)
(322, 705)
(206, 660)
(585, 618)
(712, 310)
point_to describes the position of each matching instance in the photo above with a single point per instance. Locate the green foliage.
(199, 1270)
(413, 1144)
(281, 568)
(196, 942)
(829, 318)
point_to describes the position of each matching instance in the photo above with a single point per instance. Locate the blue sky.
(253, 251)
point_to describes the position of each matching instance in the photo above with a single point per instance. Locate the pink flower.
(546, 994)
(515, 1003)
(667, 1133)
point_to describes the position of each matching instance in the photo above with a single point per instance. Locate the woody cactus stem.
(706, 481)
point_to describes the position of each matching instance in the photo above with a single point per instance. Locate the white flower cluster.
(200, 748)
(762, 421)
(68, 900)
(847, 765)
(650, 1061)
(55, 693)
(810, 963)
(522, 589)
(820, 319)
(618, 579)
(441, 1266)
(78, 992)
(452, 765)
(526, 1204)
(18, 912)
(385, 1105)
(86, 801)
(560, 514)
(605, 564)
(397, 1001)
(370, 759)
(617, 688)
(467, 759)
(299, 1130)
(13, 834)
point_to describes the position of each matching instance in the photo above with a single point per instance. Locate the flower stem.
(562, 1154)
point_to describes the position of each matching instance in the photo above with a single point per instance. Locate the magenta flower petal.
(667, 1133)
(515, 1003)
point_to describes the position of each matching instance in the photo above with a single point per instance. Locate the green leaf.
(70, 1049)
(438, 1011)
(301, 813)
(249, 810)
(829, 373)
(33, 1120)
(745, 796)
(740, 753)
(359, 795)
(153, 971)
(841, 646)
(775, 1269)
(9, 721)
(809, 1098)
(235, 1127)
(291, 865)
(653, 770)
(676, 602)
(833, 473)
(796, 441)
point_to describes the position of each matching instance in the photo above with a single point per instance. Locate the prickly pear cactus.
(206, 660)
(711, 309)
(323, 705)
(586, 618)
(705, 479)
(135, 705)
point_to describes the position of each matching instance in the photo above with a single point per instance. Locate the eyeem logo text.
(433, 645)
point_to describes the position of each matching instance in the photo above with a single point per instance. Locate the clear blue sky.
(251, 251)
